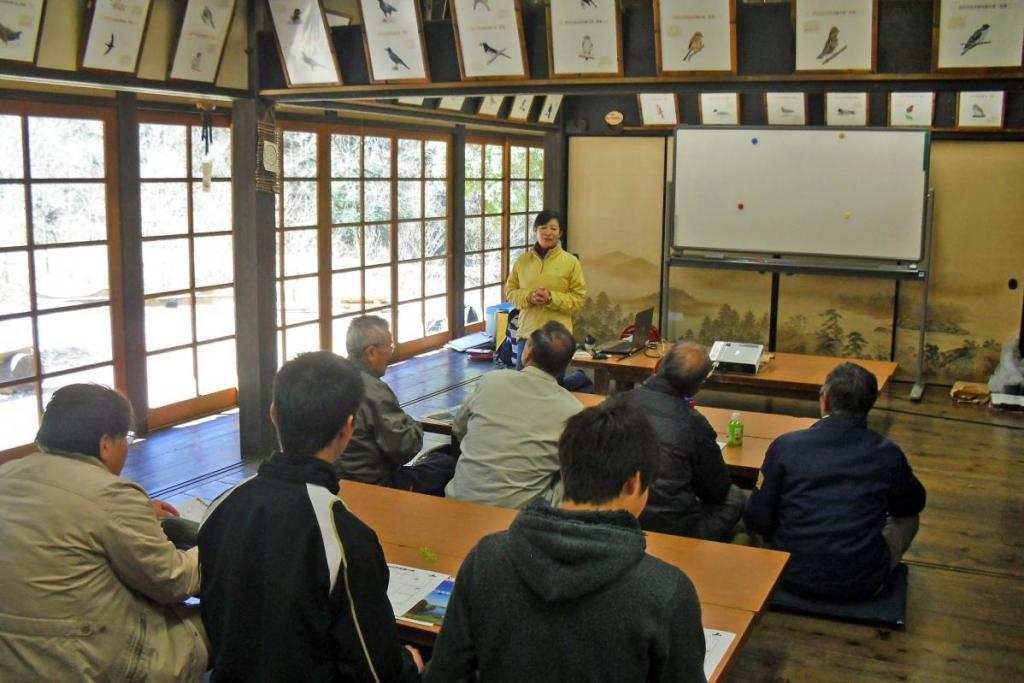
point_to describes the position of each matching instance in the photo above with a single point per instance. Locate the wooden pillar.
(255, 291)
(556, 176)
(132, 351)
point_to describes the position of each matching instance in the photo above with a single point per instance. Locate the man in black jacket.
(569, 593)
(840, 498)
(693, 495)
(294, 586)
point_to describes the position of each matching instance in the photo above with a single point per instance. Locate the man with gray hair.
(509, 427)
(386, 438)
(840, 498)
(693, 494)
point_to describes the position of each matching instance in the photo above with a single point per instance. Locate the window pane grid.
(54, 197)
(188, 283)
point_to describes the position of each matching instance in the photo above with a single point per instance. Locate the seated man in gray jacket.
(386, 438)
(569, 593)
(91, 585)
(509, 427)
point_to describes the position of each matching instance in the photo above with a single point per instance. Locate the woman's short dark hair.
(78, 415)
(603, 447)
(314, 395)
(545, 217)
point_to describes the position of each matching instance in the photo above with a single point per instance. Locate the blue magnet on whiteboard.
(753, 141)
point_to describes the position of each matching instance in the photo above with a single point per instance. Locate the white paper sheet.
(193, 509)
(409, 585)
(716, 643)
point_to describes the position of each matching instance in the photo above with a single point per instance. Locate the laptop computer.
(641, 333)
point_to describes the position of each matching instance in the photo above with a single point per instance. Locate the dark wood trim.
(255, 295)
(607, 85)
(556, 179)
(130, 345)
(457, 235)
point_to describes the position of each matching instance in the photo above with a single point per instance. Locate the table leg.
(601, 381)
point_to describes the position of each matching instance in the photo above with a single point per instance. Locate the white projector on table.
(736, 356)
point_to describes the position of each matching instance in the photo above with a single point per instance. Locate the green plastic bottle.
(735, 430)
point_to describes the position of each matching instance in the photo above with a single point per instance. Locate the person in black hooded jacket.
(569, 593)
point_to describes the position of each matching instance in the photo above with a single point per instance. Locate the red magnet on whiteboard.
(740, 206)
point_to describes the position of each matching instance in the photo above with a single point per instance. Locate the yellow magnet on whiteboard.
(846, 214)
(842, 136)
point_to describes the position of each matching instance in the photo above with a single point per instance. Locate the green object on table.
(428, 555)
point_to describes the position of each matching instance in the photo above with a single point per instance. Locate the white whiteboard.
(818, 192)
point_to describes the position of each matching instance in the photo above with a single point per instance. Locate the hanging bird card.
(911, 109)
(785, 108)
(975, 34)
(204, 30)
(719, 109)
(114, 39)
(549, 110)
(584, 38)
(489, 37)
(980, 109)
(658, 109)
(521, 106)
(451, 103)
(490, 105)
(694, 36)
(846, 109)
(19, 29)
(304, 41)
(836, 35)
(393, 36)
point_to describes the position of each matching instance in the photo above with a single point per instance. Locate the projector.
(736, 356)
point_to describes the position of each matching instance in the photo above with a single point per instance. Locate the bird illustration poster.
(658, 109)
(976, 34)
(204, 30)
(911, 109)
(786, 108)
(549, 109)
(490, 105)
(719, 109)
(980, 109)
(114, 40)
(695, 35)
(846, 109)
(19, 29)
(394, 40)
(304, 42)
(451, 103)
(490, 38)
(521, 106)
(835, 35)
(585, 38)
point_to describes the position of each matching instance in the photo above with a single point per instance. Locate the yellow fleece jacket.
(560, 273)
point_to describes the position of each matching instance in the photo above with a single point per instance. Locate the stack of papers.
(418, 595)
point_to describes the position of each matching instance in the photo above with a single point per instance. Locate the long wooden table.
(733, 582)
(785, 374)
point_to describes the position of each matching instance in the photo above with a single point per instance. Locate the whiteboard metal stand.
(913, 272)
(917, 391)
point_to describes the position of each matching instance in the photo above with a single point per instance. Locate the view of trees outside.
(504, 189)
(188, 264)
(297, 266)
(55, 320)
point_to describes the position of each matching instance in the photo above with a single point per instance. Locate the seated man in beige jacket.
(90, 583)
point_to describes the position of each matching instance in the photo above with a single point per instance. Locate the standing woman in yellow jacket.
(546, 283)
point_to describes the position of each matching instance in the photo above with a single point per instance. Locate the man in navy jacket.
(839, 497)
